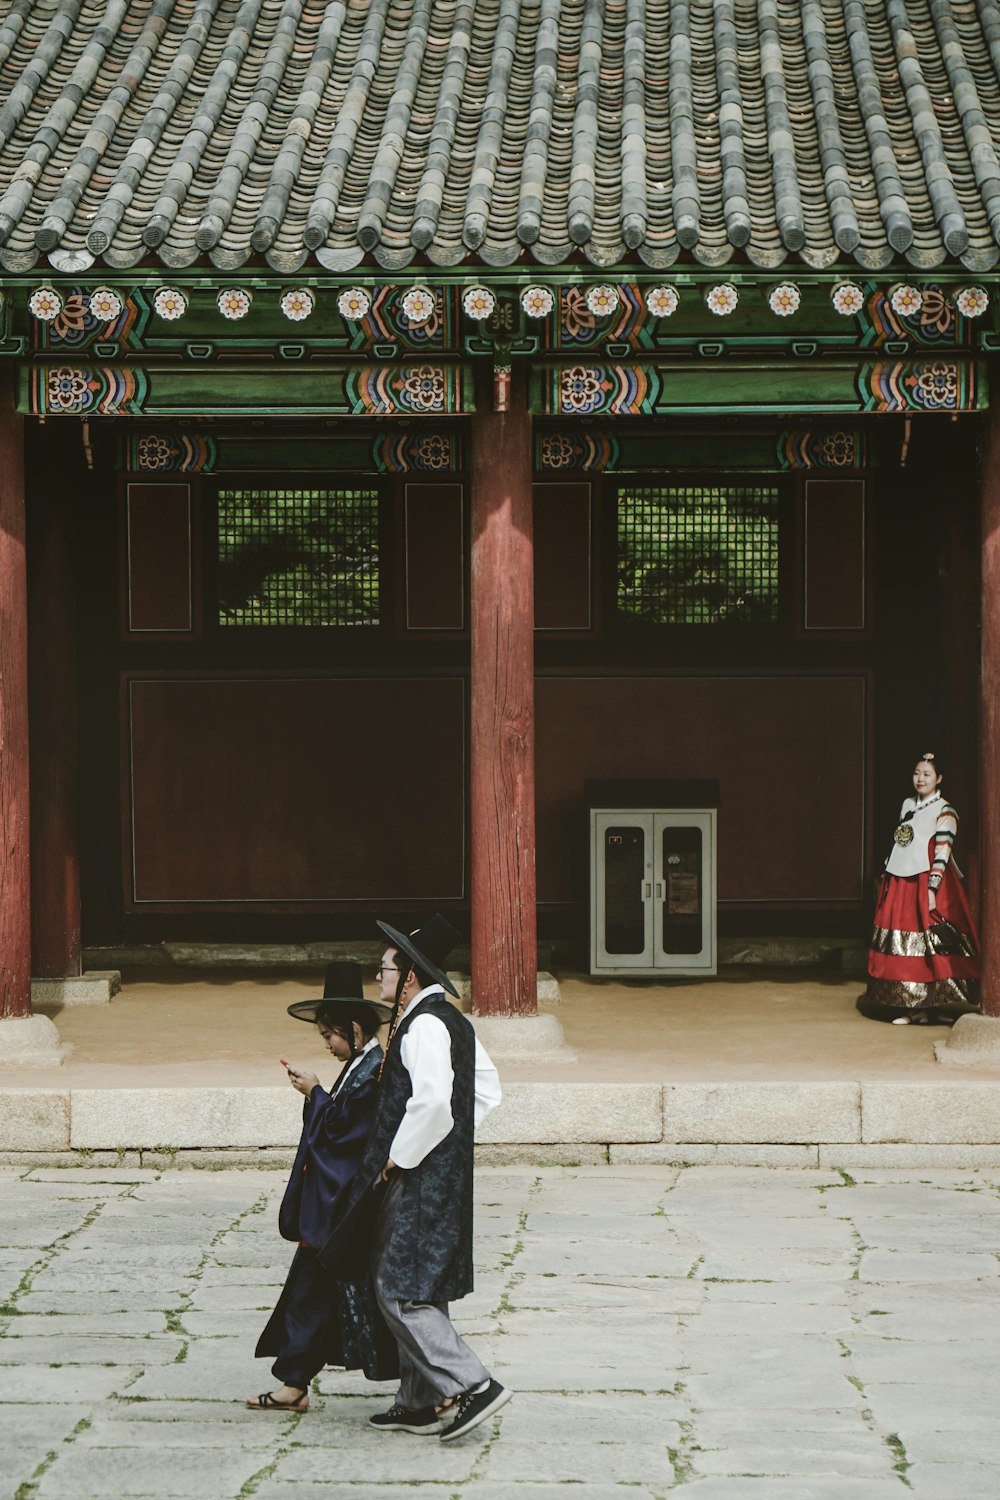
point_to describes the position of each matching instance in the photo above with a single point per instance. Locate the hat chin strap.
(394, 1018)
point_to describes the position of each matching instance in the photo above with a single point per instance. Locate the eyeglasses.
(385, 969)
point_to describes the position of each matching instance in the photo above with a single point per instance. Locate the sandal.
(266, 1402)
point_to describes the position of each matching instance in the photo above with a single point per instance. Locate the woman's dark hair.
(332, 1016)
(932, 759)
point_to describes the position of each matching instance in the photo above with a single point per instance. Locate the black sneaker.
(474, 1407)
(424, 1420)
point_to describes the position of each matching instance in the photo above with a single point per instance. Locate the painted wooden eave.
(335, 134)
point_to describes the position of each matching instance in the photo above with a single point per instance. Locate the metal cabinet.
(653, 890)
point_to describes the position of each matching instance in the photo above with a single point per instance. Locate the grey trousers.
(434, 1362)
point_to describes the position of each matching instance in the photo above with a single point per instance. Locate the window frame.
(621, 625)
(234, 480)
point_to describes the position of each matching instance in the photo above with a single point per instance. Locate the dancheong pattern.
(81, 390)
(417, 390)
(934, 385)
(171, 453)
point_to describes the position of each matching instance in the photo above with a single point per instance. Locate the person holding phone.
(322, 1319)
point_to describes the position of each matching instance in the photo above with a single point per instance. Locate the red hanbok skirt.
(905, 967)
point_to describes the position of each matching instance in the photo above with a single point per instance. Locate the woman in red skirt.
(923, 963)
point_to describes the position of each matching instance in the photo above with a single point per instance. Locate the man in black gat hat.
(437, 1087)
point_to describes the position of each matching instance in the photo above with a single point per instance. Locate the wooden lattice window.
(696, 554)
(290, 557)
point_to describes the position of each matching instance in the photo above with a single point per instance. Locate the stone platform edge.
(951, 1122)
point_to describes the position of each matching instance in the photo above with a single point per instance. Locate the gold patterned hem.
(905, 995)
(899, 944)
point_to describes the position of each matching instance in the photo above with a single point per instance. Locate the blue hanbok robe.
(321, 1319)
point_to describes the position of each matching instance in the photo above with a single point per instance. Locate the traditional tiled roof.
(227, 131)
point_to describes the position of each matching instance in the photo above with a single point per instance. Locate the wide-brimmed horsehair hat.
(428, 946)
(343, 998)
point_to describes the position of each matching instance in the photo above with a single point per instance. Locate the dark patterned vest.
(429, 1255)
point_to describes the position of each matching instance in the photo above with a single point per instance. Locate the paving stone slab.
(196, 1472)
(561, 1112)
(725, 1155)
(34, 1119)
(62, 1348)
(930, 1266)
(782, 1113)
(798, 1488)
(965, 1111)
(30, 1385)
(151, 1118)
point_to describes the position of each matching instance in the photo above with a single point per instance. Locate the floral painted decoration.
(906, 301)
(537, 301)
(847, 298)
(602, 300)
(785, 299)
(478, 303)
(972, 301)
(297, 304)
(354, 303)
(722, 299)
(169, 303)
(418, 305)
(45, 304)
(234, 302)
(105, 304)
(662, 301)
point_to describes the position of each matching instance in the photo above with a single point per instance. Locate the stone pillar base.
(31, 1042)
(523, 1039)
(96, 987)
(974, 1041)
(547, 990)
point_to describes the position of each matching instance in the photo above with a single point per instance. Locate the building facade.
(417, 411)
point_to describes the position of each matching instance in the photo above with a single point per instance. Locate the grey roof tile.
(219, 132)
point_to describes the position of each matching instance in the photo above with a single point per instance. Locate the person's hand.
(387, 1170)
(304, 1082)
(931, 899)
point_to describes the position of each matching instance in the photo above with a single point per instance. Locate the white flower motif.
(662, 301)
(972, 301)
(418, 305)
(537, 301)
(785, 299)
(105, 304)
(45, 304)
(297, 304)
(602, 300)
(479, 303)
(847, 298)
(722, 299)
(234, 302)
(907, 301)
(354, 303)
(169, 303)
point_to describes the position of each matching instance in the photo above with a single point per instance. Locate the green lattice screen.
(698, 554)
(298, 557)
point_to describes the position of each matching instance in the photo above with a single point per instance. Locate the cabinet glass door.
(624, 894)
(681, 890)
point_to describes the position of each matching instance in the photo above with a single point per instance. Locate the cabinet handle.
(647, 889)
(661, 893)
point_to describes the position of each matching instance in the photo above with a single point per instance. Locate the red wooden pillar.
(15, 881)
(55, 473)
(504, 934)
(989, 776)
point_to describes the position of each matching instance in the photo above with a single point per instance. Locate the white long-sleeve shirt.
(425, 1052)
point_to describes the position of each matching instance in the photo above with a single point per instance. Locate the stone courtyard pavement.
(723, 1334)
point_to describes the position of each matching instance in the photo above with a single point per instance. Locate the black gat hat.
(343, 999)
(428, 947)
